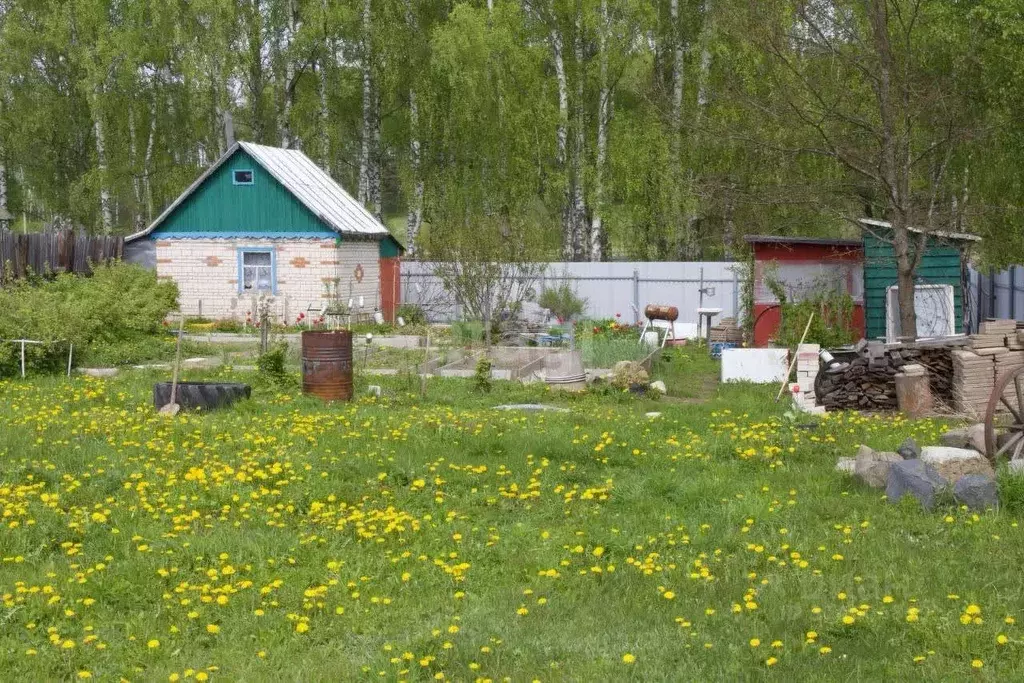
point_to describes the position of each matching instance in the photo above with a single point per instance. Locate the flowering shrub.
(610, 327)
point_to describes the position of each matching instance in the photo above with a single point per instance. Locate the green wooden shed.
(940, 285)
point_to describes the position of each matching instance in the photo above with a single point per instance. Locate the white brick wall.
(206, 271)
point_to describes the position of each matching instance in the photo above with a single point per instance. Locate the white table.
(707, 315)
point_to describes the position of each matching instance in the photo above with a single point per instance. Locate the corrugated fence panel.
(610, 288)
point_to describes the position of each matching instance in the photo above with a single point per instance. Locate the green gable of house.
(941, 264)
(221, 208)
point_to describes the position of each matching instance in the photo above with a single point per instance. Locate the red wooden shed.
(804, 264)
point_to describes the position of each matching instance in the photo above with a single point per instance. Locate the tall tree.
(858, 78)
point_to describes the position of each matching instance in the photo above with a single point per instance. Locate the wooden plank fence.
(46, 253)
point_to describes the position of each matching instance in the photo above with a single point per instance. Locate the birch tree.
(369, 169)
(603, 105)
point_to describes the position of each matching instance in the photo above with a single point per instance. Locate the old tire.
(201, 395)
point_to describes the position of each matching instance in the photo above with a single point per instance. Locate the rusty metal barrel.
(658, 312)
(327, 364)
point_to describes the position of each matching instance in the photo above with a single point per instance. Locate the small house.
(941, 278)
(802, 266)
(264, 222)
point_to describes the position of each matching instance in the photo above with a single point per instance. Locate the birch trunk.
(323, 117)
(579, 209)
(414, 214)
(134, 167)
(369, 177)
(288, 140)
(562, 137)
(596, 223)
(414, 217)
(329, 53)
(147, 162)
(106, 216)
(704, 72)
(685, 246)
(677, 82)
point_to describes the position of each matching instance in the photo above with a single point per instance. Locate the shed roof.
(817, 241)
(868, 223)
(306, 181)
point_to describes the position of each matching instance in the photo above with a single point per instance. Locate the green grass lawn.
(434, 538)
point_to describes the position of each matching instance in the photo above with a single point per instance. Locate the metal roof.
(942, 234)
(306, 181)
(823, 241)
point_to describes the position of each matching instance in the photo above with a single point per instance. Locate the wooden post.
(71, 351)
(23, 359)
(264, 328)
(394, 292)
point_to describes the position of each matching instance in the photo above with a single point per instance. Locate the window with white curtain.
(257, 271)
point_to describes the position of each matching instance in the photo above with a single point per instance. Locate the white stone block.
(760, 366)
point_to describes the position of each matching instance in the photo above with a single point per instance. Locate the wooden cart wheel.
(1004, 433)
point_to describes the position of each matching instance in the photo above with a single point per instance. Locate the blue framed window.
(257, 270)
(242, 176)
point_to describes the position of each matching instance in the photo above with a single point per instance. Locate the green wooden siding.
(219, 206)
(940, 265)
(390, 248)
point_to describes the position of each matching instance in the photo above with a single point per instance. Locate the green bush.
(562, 301)
(482, 375)
(413, 314)
(271, 366)
(116, 315)
(832, 325)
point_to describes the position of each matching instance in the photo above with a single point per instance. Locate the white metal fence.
(622, 288)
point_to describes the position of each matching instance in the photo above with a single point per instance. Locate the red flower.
(596, 330)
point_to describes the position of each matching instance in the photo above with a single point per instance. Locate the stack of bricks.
(973, 379)
(996, 350)
(807, 366)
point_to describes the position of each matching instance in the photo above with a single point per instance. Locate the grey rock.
(531, 407)
(956, 438)
(914, 478)
(977, 491)
(872, 468)
(659, 386)
(953, 463)
(846, 465)
(98, 372)
(976, 437)
(908, 450)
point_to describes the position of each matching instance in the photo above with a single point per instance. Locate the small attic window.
(242, 176)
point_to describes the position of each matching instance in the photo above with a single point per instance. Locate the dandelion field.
(438, 539)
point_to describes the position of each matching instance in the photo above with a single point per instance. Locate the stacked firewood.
(862, 384)
(938, 361)
(868, 382)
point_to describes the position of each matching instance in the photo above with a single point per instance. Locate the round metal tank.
(656, 312)
(327, 365)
